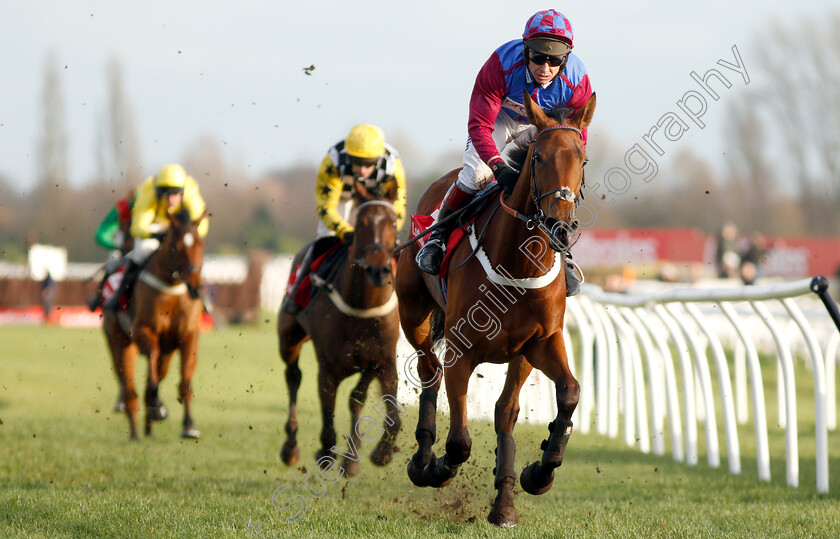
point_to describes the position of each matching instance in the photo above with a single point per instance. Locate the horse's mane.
(517, 155)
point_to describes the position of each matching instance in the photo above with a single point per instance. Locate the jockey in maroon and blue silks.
(541, 63)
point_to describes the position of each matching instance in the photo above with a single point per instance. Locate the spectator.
(48, 297)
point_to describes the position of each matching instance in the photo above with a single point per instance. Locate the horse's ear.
(584, 116)
(393, 190)
(535, 114)
(360, 191)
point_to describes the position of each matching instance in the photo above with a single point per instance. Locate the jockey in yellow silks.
(362, 157)
(168, 192)
(365, 158)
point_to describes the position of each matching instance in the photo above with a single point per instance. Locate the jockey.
(110, 235)
(363, 157)
(170, 191)
(541, 63)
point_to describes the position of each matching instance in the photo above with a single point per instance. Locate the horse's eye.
(537, 157)
(585, 161)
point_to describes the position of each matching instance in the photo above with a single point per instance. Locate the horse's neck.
(157, 267)
(357, 291)
(509, 243)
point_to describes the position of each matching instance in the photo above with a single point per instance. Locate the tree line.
(782, 176)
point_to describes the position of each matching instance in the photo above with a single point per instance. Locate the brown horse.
(354, 327)
(165, 311)
(505, 303)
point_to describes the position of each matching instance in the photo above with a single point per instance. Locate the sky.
(234, 72)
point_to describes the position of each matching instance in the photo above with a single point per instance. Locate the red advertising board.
(786, 257)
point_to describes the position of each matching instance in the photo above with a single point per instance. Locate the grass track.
(67, 468)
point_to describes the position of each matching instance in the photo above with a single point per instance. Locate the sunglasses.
(540, 59)
(169, 191)
(363, 162)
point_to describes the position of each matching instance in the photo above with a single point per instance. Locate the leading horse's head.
(556, 159)
(186, 250)
(375, 236)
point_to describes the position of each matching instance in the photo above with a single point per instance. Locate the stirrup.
(574, 277)
(430, 257)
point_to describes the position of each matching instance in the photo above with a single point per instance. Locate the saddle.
(420, 223)
(328, 253)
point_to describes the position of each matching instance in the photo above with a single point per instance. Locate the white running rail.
(626, 366)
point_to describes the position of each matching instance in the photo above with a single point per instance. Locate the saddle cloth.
(112, 284)
(324, 265)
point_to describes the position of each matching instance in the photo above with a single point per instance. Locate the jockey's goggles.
(168, 191)
(363, 161)
(540, 59)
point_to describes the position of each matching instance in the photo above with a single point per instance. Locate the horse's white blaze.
(189, 240)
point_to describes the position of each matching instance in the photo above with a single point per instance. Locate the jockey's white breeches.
(507, 132)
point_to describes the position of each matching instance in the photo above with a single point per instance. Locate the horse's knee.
(184, 390)
(458, 450)
(568, 395)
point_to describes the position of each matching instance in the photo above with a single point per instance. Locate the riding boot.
(574, 276)
(430, 257)
(95, 300)
(132, 271)
(289, 304)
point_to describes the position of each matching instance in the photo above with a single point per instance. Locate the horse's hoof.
(503, 517)
(290, 453)
(351, 468)
(159, 413)
(191, 432)
(415, 473)
(533, 482)
(438, 473)
(382, 454)
(119, 406)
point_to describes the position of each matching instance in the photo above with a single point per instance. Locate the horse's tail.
(437, 325)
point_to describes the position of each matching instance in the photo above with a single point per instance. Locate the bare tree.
(119, 160)
(789, 121)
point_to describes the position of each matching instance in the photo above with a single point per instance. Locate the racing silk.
(118, 217)
(499, 86)
(335, 184)
(150, 214)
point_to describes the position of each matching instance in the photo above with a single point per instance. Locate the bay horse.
(354, 327)
(165, 310)
(505, 302)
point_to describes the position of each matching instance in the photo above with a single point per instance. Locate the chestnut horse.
(505, 302)
(165, 310)
(354, 327)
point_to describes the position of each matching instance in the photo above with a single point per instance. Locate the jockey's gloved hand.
(347, 238)
(158, 235)
(505, 176)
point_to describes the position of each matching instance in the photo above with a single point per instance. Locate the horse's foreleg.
(388, 380)
(503, 512)
(327, 387)
(124, 355)
(357, 400)
(149, 346)
(539, 476)
(291, 338)
(189, 359)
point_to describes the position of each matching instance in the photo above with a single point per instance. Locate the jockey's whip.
(490, 191)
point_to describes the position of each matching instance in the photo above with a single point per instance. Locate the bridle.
(179, 273)
(557, 232)
(377, 245)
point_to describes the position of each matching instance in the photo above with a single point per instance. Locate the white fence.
(645, 358)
